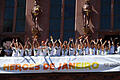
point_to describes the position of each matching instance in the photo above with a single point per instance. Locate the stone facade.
(44, 20)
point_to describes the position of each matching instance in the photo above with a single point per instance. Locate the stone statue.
(36, 11)
(86, 11)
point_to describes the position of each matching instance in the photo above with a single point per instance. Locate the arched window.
(105, 15)
(116, 14)
(55, 18)
(69, 19)
(20, 18)
(9, 15)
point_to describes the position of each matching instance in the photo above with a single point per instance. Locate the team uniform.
(57, 51)
(79, 51)
(50, 51)
(118, 50)
(106, 52)
(20, 52)
(92, 51)
(99, 52)
(43, 52)
(15, 52)
(112, 49)
(85, 51)
(64, 52)
(36, 52)
(71, 51)
(28, 52)
(8, 52)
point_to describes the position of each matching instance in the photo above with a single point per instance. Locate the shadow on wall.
(95, 16)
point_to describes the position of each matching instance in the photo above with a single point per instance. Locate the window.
(116, 14)
(20, 18)
(0, 12)
(69, 19)
(8, 16)
(55, 18)
(105, 14)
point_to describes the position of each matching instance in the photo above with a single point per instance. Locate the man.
(112, 47)
(118, 48)
(92, 50)
(20, 50)
(106, 48)
(28, 48)
(2, 53)
(43, 48)
(57, 48)
(50, 49)
(14, 47)
(35, 46)
(86, 46)
(71, 47)
(64, 49)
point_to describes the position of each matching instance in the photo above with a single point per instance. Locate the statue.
(36, 11)
(86, 11)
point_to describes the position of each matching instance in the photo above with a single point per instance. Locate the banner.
(108, 63)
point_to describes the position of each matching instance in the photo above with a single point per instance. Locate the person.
(14, 47)
(35, 47)
(28, 48)
(71, 47)
(86, 48)
(92, 50)
(99, 50)
(106, 48)
(118, 48)
(43, 48)
(79, 47)
(50, 49)
(57, 48)
(112, 47)
(2, 53)
(20, 50)
(64, 49)
(79, 50)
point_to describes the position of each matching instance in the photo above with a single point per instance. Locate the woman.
(106, 48)
(79, 50)
(20, 50)
(64, 49)
(71, 47)
(92, 50)
(14, 47)
(86, 46)
(43, 48)
(35, 45)
(118, 48)
(50, 49)
(57, 48)
(99, 49)
(28, 49)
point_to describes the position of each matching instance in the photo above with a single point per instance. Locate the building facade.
(60, 18)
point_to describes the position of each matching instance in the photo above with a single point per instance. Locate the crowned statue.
(36, 11)
(86, 11)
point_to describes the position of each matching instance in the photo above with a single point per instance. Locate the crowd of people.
(81, 46)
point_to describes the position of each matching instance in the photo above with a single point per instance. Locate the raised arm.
(109, 44)
(103, 44)
(88, 44)
(11, 45)
(46, 42)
